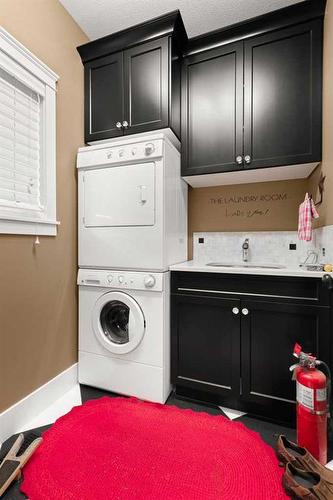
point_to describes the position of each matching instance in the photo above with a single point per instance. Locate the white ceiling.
(101, 17)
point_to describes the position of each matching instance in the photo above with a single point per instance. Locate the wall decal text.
(268, 197)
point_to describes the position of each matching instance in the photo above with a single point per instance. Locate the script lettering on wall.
(262, 206)
(231, 204)
(265, 206)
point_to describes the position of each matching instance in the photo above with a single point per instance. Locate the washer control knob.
(109, 155)
(109, 278)
(149, 281)
(149, 148)
(133, 151)
(121, 279)
(121, 153)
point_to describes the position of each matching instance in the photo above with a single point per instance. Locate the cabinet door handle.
(235, 310)
(247, 159)
(327, 280)
(239, 159)
(125, 124)
(118, 125)
(245, 311)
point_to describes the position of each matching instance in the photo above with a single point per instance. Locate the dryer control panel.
(120, 153)
(123, 280)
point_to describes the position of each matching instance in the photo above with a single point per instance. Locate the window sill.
(36, 228)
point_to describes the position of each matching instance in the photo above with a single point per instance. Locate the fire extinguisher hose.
(325, 368)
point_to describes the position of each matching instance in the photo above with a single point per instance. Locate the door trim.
(247, 294)
(180, 377)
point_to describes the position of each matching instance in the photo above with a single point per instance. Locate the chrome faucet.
(245, 248)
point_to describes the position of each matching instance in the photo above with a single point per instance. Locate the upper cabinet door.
(146, 70)
(282, 97)
(104, 97)
(212, 110)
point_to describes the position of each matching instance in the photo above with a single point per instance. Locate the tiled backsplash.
(265, 247)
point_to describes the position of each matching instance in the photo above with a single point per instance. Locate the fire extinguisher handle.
(327, 280)
(292, 369)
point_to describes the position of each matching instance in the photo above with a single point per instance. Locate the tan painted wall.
(38, 304)
(265, 206)
(326, 209)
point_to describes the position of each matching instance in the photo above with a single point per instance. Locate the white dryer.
(124, 341)
(132, 204)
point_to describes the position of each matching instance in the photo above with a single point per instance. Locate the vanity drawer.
(280, 288)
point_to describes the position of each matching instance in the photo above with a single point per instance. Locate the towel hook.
(321, 189)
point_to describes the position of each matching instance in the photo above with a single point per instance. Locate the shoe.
(300, 484)
(288, 451)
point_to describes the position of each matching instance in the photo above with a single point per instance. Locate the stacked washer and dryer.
(132, 227)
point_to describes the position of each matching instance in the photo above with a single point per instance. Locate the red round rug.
(119, 448)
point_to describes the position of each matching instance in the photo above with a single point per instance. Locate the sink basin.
(247, 266)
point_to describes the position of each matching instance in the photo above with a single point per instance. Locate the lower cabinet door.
(206, 347)
(269, 332)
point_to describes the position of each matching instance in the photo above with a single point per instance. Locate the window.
(27, 141)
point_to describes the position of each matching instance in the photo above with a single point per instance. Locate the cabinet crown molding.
(282, 18)
(170, 24)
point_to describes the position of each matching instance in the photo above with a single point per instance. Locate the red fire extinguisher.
(312, 398)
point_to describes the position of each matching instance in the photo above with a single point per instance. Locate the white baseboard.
(15, 417)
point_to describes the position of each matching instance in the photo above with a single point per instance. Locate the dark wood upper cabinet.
(244, 97)
(146, 70)
(282, 97)
(255, 102)
(132, 79)
(104, 97)
(212, 110)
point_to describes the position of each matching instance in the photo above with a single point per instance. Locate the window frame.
(19, 62)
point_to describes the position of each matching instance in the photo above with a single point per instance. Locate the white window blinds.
(20, 140)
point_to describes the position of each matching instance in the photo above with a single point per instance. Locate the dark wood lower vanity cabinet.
(233, 338)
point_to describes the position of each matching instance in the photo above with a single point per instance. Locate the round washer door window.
(118, 322)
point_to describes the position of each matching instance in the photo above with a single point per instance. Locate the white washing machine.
(124, 340)
(132, 204)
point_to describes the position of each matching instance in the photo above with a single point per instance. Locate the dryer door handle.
(143, 194)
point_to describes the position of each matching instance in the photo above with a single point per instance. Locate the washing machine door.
(118, 322)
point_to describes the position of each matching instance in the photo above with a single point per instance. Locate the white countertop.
(200, 267)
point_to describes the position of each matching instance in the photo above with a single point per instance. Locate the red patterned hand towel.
(307, 212)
